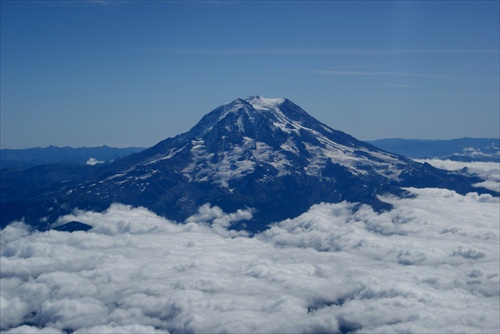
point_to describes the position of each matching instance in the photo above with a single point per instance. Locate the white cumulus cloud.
(488, 171)
(429, 265)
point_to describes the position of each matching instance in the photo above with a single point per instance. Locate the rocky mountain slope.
(259, 153)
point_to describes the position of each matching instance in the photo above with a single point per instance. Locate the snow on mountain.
(262, 103)
(412, 260)
(257, 130)
(260, 153)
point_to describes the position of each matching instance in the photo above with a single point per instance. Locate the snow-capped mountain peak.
(262, 153)
(236, 139)
(249, 106)
(262, 103)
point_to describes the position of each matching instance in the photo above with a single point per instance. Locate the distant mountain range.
(463, 149)
(68, 155)
(265, 154)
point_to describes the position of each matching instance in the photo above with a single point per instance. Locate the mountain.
(68, 155)
(463, 149)
(259, 153)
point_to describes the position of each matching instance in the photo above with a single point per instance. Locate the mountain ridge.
(55, 154)
(460, 149)
(265, 154)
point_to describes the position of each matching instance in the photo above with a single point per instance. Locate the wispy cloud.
(352, 71)
(391, 74)
(314, 51)
(382, 85)
(383, 74)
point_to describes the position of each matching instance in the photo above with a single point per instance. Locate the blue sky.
(89, 73)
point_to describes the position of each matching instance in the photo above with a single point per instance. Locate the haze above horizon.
(92, 73)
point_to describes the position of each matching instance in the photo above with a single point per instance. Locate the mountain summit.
(246, 135)
(260, 153)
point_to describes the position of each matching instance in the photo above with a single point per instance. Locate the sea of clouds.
(488, 171)
(431, 264)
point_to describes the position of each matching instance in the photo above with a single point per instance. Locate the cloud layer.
(431, 264)
(488, 171)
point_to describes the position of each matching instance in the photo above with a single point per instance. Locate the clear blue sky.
(89, 73)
